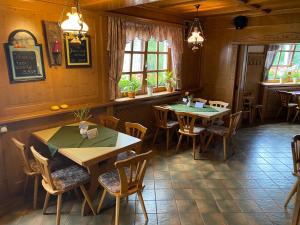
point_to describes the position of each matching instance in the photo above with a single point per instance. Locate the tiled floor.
(248, 189)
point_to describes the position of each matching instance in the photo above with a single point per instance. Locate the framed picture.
(78, 53)
(24, 57)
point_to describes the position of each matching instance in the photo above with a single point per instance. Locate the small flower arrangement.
(82, 114)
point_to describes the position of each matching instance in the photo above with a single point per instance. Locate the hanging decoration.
(196, 36)
(74, 26)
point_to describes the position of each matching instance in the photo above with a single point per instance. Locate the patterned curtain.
(272, 49)
(116, 47)
(121, 31)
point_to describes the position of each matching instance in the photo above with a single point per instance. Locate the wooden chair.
(297, 111)
(285, 98)
(61, 181)
(187, 128)
(247, 106)
(218, 121)
(162, 122)
(30, 169)
(109, 121)
(225, 132)
(125, 180)
(296, 163)
(218, 104)
(204, 101)
(136, 130)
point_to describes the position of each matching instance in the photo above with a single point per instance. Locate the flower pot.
(131, 94)
(294, 80)
(281, 80)
(149, 91)
(169, 88)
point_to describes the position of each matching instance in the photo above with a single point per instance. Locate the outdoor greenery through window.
(145, 64)
(286, 63)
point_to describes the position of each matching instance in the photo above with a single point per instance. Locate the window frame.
(290, 60)
(145, 71)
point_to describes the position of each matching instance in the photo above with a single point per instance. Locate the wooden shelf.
(46, 113)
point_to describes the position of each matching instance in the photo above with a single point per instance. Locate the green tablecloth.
(192, 108)
(69, 137)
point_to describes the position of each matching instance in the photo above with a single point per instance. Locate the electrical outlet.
(3, 129)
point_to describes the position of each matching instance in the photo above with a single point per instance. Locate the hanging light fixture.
(74, 26)
(196, 36)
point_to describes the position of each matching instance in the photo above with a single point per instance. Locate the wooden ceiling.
(186, 9)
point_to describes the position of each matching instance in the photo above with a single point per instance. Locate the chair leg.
(288, 114)
(225, 147)
(58, 208)
(209, 140)
(290, 195)
(194, 147)
(179, 141)
(278, 113)
(35, 193)
(155, 135)
(141, 200)
(46, 202)
(296, 116)
(87, 197)
(168, 138)
(25, 183)
(101, 200)
(117, 214)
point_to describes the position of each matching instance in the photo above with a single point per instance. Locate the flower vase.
(281, 80)
(83, 128)
(149, 91)
(189, 103)
(294, 80)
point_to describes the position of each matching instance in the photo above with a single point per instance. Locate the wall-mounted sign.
(52, 35)
(24, 57)
(78, 54)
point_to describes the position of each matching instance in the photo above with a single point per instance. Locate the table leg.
(94, 172)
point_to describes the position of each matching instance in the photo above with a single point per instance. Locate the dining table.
(88, 153)
(206, 113)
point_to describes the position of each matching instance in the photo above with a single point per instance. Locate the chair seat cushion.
(196, 131)
(218, 122)
(69, 177)
(219, 130)
(172, 123)
(111, 181)
(292, 105)
(126, 155)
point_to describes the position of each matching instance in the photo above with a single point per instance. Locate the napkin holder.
(92, 133)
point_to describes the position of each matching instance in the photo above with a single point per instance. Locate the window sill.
(280, 84)
(146, 97)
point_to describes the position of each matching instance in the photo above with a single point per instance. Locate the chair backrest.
(298, 102)
(161, 116)
(136, 130)
(22, 150)
(186, 122)
(132, 171)
(109, 121)
(285, 97)
(233, 123)
(296, 153)
(219, 104)
(247, 102)
(44, 167)
(200, 100)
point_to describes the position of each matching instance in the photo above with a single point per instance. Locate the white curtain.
(271, 53)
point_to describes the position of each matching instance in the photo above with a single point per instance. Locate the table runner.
(192, 108)
(69, 137)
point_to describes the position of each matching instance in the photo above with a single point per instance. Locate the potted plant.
(150, 85)
(82, 115)
(295, 77)
(133, 87)
(170, 81)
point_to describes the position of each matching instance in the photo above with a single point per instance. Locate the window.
(287, 59)
(145, 62)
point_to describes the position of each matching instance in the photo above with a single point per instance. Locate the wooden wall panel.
(217, 60)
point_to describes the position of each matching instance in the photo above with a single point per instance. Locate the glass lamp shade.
(74, 23)
(195, 37)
